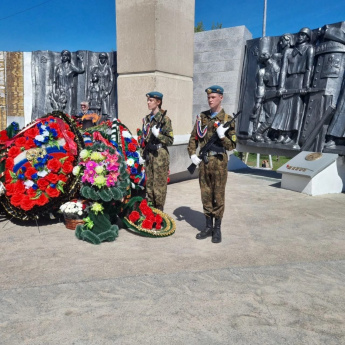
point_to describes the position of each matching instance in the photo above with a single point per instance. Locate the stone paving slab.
(277, 278)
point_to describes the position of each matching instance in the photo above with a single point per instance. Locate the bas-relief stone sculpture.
(62, 80)
(293, 91)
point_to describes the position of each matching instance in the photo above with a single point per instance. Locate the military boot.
(261, 134)
(216, 234)
(207, 232)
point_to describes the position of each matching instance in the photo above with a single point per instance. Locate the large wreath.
(40, 160)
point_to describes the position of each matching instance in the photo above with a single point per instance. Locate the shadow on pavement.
(195, 219)
(259, 172)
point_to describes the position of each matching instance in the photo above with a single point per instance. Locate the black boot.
(207, 232)
(261, 134)
(216, 234)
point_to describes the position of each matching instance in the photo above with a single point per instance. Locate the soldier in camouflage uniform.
(154, 144)
(213, 175)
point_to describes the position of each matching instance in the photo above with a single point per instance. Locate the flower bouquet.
(147, 221)
(39, 164)
(73, 212)
(103, 173)
(130, 149)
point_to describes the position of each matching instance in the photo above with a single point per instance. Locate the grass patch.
(277, 161)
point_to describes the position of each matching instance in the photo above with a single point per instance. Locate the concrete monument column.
(155, 41)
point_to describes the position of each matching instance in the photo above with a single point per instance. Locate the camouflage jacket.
(166, 134)
(205, 120)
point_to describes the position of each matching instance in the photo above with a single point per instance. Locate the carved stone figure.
(95, 95)
(295, 77)
(266, 100)
(105, 81)
(64, 73)
(328, 76)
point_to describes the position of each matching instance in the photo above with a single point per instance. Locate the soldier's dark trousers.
(212, 180)
(157, 169)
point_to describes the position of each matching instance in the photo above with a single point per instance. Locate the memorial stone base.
(314, 173)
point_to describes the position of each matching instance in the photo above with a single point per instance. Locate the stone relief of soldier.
(64, 73)
(265, 92)
(310, 95)
(105, 81)
(294, 83)
(327, 78)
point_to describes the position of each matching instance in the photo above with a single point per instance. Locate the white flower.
(42, 173)
(126, 134)
(80, 213)
(130, 161)
(45, 133)
(99, 169)
(76, 170)
(84, 154)
(39, 138)
(28, 184)
(43, 127)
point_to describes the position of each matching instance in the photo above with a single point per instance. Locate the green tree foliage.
(216, 26)
(199, 27)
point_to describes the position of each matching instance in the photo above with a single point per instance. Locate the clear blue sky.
(28, 25)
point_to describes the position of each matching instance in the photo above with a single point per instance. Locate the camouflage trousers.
(157, 169)
(212, 180)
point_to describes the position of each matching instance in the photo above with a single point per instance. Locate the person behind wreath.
(213, 175)
(157, 157)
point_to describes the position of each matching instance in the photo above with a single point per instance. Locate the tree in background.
(216, 26)
(199, 27)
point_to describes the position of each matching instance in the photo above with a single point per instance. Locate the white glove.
(141, 160)
(195, 159)
(155, 131)
(221, 131)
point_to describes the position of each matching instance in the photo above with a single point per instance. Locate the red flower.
(134, 216)
(131, 147)
(20, 142)
(158, 226)
(9, 163)
(134, 141)
(27, 204)
(29, 144)
(43, 183)
(71, 135)
(31, 192)
(67, 167)
(32, 132)
(70, 159)
(42, 200)
(3, 135)
(19, 187)
(8, 177)
(147, 224)
(136, 180)
(63, 178)
(10, 188)
(52, 192)
(29, 172)
(158, 219)
(16, 199)
(52, 178)
(14, 151)
(168, 179)
(54, 165)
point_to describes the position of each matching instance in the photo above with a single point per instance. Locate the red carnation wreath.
(39, 165)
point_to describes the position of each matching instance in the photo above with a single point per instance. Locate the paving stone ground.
(278, 277)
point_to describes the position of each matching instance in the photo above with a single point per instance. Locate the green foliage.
(199, 27)
(216, 26)
(105, 195)
(102, 230)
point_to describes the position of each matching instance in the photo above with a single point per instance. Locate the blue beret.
(215, 89)
(155, 94)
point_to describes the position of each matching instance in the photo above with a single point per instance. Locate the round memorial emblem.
(313, 156)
